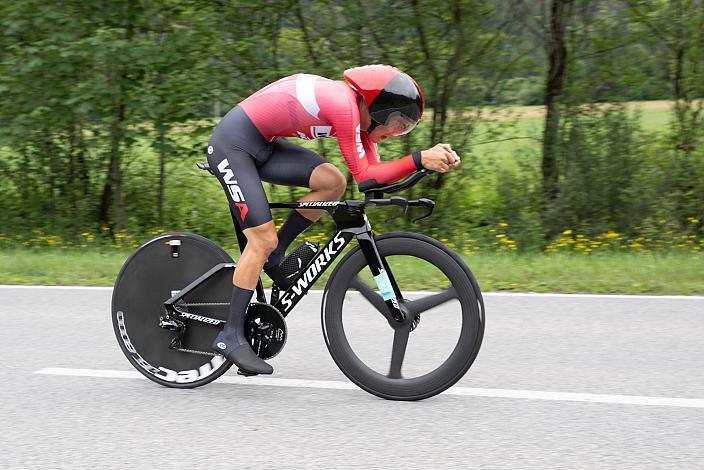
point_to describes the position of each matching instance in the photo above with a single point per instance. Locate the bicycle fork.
(382, 275)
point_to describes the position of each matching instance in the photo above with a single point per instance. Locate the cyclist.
(248, 147)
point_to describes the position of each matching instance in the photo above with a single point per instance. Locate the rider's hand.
(440, 158)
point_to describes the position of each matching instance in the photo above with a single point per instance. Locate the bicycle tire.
(470, 335)
(147, 279)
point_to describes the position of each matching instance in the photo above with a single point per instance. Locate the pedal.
(274, 294)
(245, 373)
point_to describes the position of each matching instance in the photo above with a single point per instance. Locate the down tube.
(315, 269)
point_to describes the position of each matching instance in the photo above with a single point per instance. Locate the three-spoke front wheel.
(437, 342)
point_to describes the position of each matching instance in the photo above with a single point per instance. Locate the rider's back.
(302, 105)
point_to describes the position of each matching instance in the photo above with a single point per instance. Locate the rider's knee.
(329, 179)
(267, 241)
(262, 239)
(333, 181)
(338, 184)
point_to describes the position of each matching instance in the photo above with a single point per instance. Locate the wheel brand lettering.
(130, 347)
(187, 376)
(184, 376)
(192, 316)
(313, 271)
(229, 178)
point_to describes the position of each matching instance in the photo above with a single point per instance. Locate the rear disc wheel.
(150, 276)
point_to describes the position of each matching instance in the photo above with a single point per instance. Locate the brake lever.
(401, 202)
(428, 202)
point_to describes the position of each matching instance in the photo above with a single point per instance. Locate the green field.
(528, 123)
(667, 273)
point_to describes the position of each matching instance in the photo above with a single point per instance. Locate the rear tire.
(149, 277)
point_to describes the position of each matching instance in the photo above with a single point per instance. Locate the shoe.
(241, 355)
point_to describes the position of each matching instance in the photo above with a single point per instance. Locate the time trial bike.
(386, 332)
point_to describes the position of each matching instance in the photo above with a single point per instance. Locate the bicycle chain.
(194, 351)
(204, 304)
(198, 304)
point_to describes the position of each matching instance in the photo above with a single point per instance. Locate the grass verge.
(666, 273)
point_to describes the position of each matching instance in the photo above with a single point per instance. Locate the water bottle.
(298, 259)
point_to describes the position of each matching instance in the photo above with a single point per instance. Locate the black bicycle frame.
(351, 223)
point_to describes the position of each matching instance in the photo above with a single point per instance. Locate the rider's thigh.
(290, 164)
(238, 175)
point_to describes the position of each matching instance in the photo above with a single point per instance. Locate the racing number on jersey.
(317, 132)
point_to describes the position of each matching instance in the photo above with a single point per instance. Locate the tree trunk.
(557, 57)
(307, 40)
(70, 187)
(112, 191)
(162, 174)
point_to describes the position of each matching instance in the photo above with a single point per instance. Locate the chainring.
(265, 329)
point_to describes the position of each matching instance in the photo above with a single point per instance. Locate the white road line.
(422, 292)
(461, 391)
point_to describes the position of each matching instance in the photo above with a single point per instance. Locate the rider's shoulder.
(336, 93)
(305, 80)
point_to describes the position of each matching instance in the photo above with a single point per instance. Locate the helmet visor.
(396, 122)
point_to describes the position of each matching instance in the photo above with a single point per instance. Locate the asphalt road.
(627, 372)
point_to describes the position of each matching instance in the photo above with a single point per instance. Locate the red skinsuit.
(310, 107)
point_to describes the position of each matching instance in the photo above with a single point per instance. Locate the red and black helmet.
(394, 99)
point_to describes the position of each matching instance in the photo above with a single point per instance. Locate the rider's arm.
(362, 157)
(387, 172)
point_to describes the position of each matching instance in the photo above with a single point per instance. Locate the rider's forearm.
(387, 172)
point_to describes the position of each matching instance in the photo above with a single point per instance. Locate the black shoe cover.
(241, 354)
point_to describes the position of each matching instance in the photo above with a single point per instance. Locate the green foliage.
(523, 90)
(600, 153)
(106, 105)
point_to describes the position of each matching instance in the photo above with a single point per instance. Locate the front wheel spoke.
(398, 352)
(373, 297)
(431, 301)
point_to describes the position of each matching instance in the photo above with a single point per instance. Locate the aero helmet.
(394, 99)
